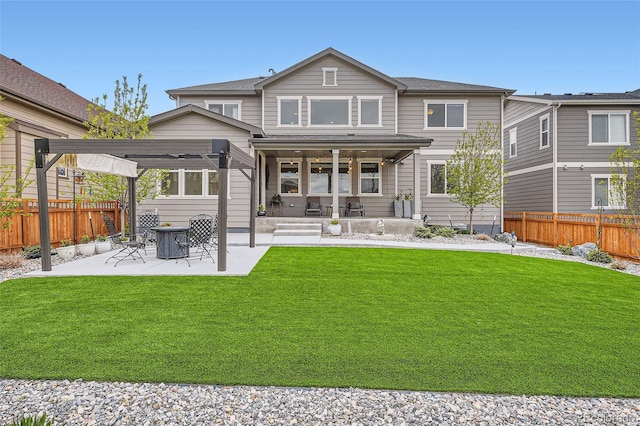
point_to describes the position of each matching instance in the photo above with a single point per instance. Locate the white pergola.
(214, 154)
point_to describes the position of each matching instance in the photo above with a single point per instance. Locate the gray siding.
(411, 117)
(178, 210)
(513, 110)
(573, 134)
(529, 153)
(574, 189)
(531, 192)
(308, 82)
(251, 109)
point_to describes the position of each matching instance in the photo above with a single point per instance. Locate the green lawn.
(339, 317)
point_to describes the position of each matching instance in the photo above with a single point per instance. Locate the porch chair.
(200, 235)
(354, 206)
(313, 206)
(130, 248)
(148, 219)
(457, 225)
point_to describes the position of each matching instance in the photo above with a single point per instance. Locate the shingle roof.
(248, 84)
(22, 82)
(415, 84)
(585, 96)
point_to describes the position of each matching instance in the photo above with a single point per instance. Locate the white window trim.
(429, 193)
(205, 187)
(290, 98)
(325, 71)
(280, 162)
(369, 98)
(327, 194)
(593, 192)
(548, 131)
(329, 98)
(426, 102)
(608, 113)
(225, 102)
(513, 141)
(361, 161)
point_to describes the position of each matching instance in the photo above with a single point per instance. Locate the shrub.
(11, 260)
(619, 265)
(66, 243)
(565, 249)
(335, 221)
(483, 237)
(85, 239)
(33, 421)
(101, 237)
(422, 232)
(446, 232)
(598, 256)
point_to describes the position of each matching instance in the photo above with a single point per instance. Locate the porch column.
(417, 199)
(263, 177)
(335, 182)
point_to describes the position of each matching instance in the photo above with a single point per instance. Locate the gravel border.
(116, 403)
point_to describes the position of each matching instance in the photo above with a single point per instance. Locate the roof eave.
(35, 103)
(211, 92)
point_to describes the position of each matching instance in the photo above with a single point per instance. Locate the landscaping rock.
(583, 249)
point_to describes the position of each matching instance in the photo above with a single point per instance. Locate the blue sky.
(532, 46)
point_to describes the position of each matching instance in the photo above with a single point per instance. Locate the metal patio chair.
(148, 219)
(201, 234)
(130, 248)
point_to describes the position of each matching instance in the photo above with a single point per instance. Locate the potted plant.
(334, 227)
(87, 247)
(103, 244)
(261, 211)
(407, 205)
(67, 249)
(166, 224)
(397, 205)
(276, 199)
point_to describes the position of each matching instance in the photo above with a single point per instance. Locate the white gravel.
(114, 403)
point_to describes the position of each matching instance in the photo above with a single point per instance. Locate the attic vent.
(62, 85)
(547, 94)
(16, 61)
(568, 94)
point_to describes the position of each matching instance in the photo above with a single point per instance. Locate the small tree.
(625, 188)
(474, 171)
(127, 119)
(10, 191)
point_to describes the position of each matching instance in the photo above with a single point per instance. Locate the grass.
(339, 317)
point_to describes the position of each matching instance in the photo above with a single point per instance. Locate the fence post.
(77, 211)
(25, 210)
(555, 228)
(524, 226)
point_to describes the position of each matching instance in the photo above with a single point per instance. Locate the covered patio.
(372, 167)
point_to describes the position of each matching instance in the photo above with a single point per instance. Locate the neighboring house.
(333, 127)
(557, 149)
(40, 108)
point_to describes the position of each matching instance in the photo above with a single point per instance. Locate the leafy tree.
(10, 192)
(474, 171)
(127, 119)
(625, 187)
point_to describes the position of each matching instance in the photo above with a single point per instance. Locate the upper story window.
(321, 178)
(544, 131)
(369, 111)
(445, 114)
(227, 108)
(329, 76)
(330, 111)
(370, 175)
(289, 110)
(190, 183)
(609, 127)
(513, 142)
(290, 177)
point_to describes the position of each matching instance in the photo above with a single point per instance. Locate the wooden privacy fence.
(554, 229)
(25, 225)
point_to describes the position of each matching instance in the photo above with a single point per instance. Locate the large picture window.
(370, 178)
(609, 127)
(330, 111)
(290, 177)
(445, 114)
(321, 176)
(226, 108)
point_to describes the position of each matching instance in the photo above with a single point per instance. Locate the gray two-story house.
(329, 127)
(558, 149)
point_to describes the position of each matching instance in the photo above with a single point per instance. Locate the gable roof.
(235, 87)
(23, 83)
(424, 85)
(193, 109)
(632, 97)
(330, 52)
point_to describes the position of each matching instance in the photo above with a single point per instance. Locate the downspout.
(502, 99)
(555, 156)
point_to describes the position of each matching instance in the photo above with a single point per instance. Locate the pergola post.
(221, 147)
(131, 182)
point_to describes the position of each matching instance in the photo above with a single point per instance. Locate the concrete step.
(297, 233)
(299, 226)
